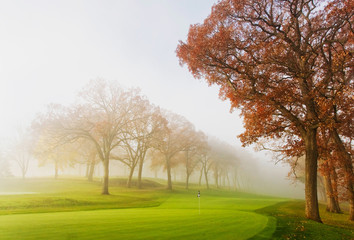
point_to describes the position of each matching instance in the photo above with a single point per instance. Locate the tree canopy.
(285, 64)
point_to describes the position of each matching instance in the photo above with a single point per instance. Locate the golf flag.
(199, 200)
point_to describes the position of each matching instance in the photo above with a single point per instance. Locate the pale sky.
(50, 49)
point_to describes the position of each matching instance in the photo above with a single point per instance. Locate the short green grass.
(75, 209)
(292, 224)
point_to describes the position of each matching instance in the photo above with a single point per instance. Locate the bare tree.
(192, 153)
(48, 147)
(101, 117)
(172, 141)
(141, 134)
(21, 151)
(87, 156)
(205, 164)
(4, 167)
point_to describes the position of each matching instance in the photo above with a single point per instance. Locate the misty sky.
(50, 49)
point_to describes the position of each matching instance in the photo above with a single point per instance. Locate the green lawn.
(74, 209)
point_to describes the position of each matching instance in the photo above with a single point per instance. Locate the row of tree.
(288, 65)
(111, 123)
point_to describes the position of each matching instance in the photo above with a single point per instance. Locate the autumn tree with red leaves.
(276, 61)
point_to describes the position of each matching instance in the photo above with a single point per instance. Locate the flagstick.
(199, 205)
(199, 200)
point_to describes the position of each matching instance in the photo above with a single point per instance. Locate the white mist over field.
(51, 49)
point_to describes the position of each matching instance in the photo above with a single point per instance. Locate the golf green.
(75, 209)
(178, 217)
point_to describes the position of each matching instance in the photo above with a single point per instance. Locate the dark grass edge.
(289, 225)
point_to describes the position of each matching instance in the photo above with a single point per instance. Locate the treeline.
(109, 123)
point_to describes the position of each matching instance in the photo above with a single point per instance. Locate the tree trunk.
(216, 175)
(351, 201)
(234, 181)
(332, 204)
(334, 179)
(106, 176)
(129, 181)
(311, 209)
(140, 172)
(187, 168)
(200, 176)
(87, 168)
(321, 189)
(228, 181)
(168, 168)
(91, 171)
(206, 177)
(348, 168)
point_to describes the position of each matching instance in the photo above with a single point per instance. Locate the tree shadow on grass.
(287, 221)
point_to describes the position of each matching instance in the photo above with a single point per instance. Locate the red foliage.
(287, 65)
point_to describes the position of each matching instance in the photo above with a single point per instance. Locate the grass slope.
(292, 224)
(74, 209)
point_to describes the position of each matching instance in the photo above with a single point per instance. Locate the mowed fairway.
(75, 209)
(173, 215)
(150, 223)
